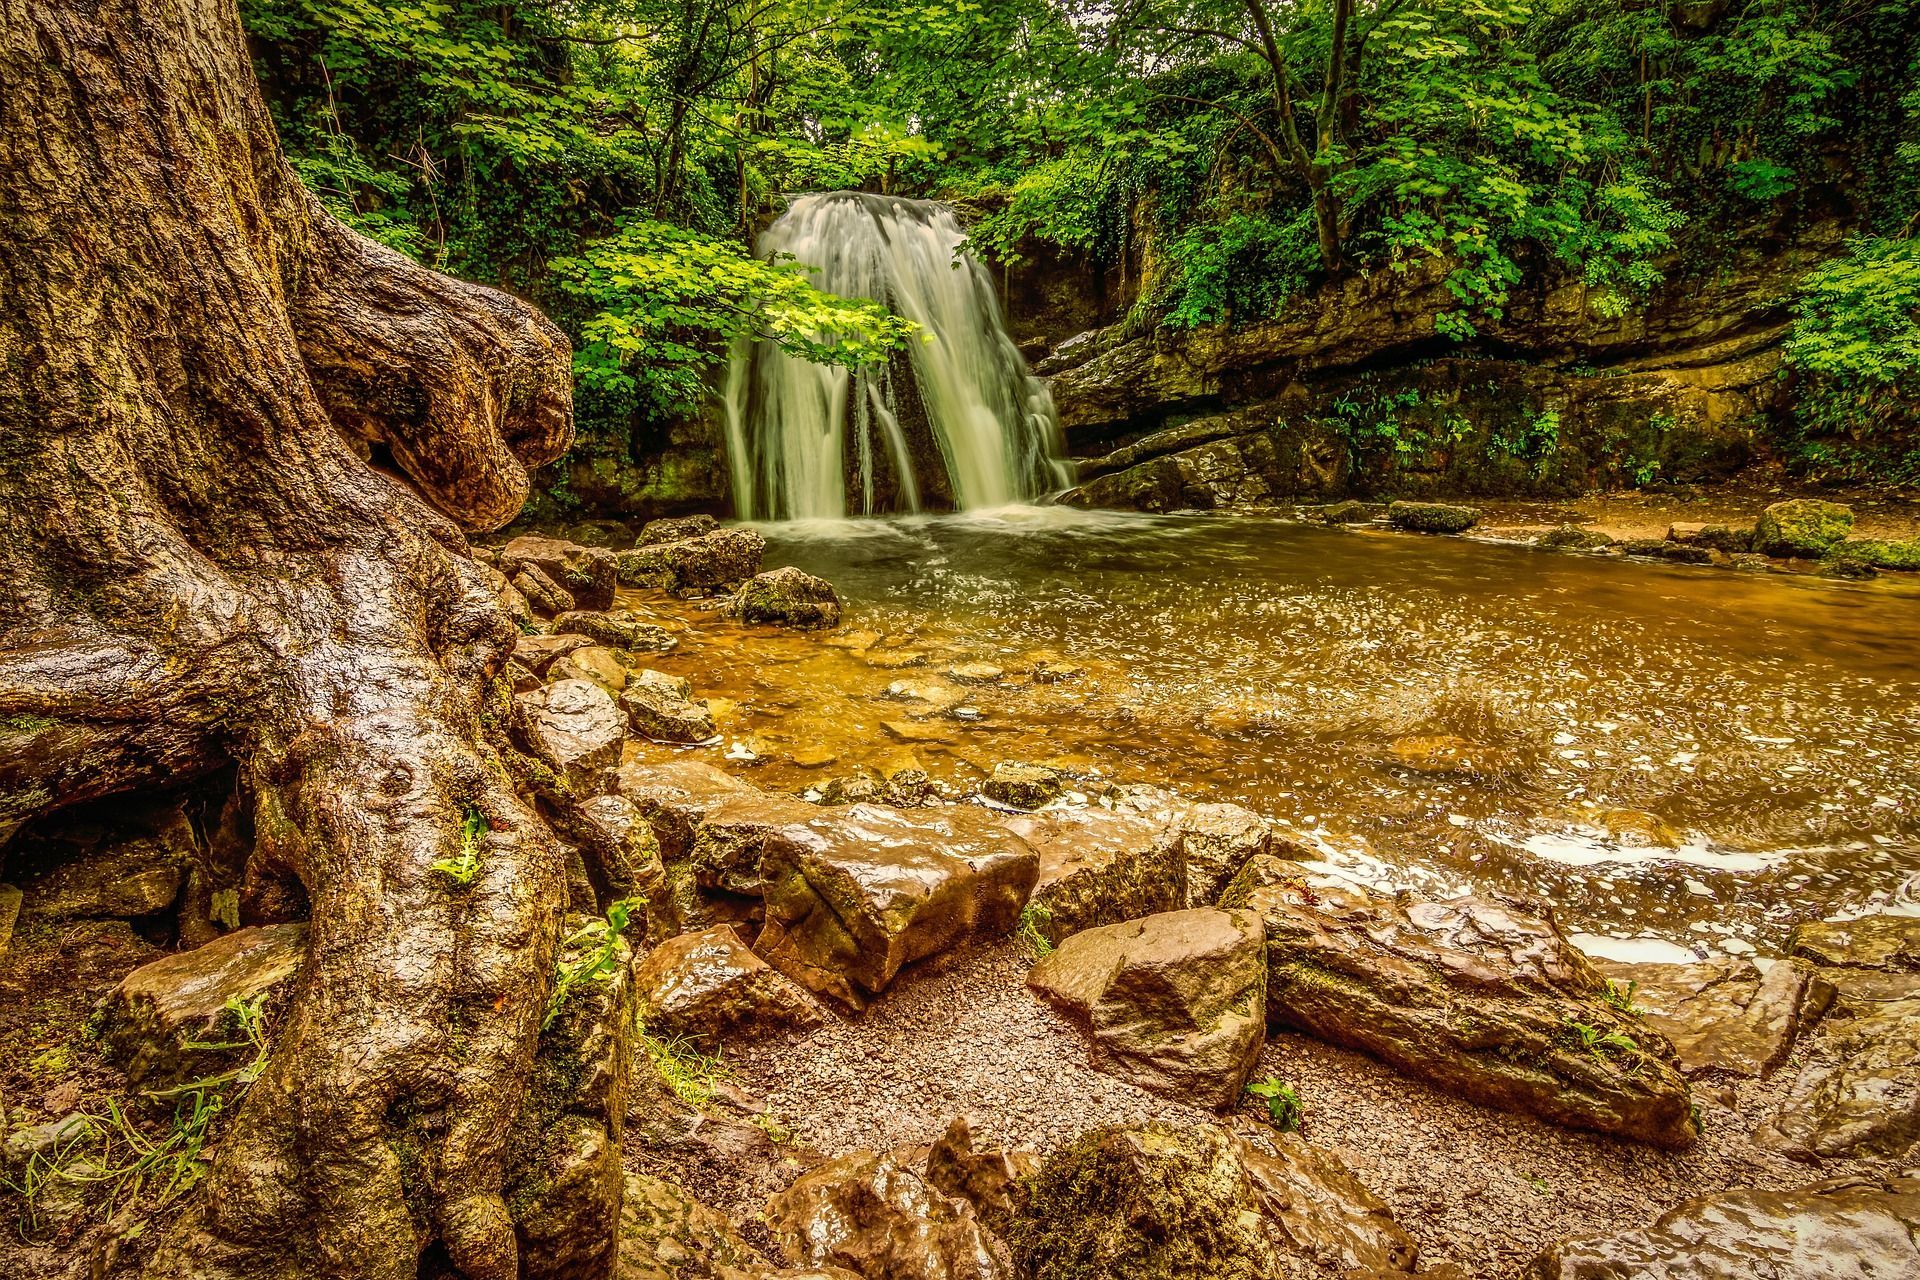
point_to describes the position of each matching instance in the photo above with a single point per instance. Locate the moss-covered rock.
(1880, 553)
(1432, 517)
(787, 597)
(1197, 1202)
(1802, 527)
(1571, 537)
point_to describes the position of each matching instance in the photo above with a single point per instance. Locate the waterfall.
(954, 421)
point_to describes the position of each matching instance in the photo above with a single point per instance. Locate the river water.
(1674, 758)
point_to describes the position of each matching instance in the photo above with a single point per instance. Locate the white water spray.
(974, 429)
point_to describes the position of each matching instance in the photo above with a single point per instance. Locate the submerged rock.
(875, 889)
(586, 574)
(1023, 786)
(1432, 517)
(1176, 1002)
(1198, 1202)
(575, 728)
(1849, 1230)
(1099, 867)
(1714, 537)
(705, 986)
(1869, 942)
(1571, 537)
(787, 597)
(1723, 1015)
(1481, 1000)
(1808, 527)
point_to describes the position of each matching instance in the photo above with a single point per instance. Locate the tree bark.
(237, 441)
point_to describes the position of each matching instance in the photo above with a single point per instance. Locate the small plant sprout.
(1621, 997)
(589, 954)
(691, 1075)
(1284, 1106)
(1600, 1043)
(1033, 922)
(460, 870)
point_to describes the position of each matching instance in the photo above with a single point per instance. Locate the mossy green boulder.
(1880, 553)
(1808, 527)
(1432, 517)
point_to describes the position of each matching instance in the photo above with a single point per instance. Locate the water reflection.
(1696, 756)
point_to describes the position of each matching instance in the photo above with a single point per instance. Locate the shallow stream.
(1681, 757)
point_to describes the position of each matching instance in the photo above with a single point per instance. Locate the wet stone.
(708, 985)
(715, 559)
(676, 529)
(787, 597)
(617, 629)
(1023, 786)
(1808, 527)
(138, 871)
(1099, 866)
(1859, 1092)
(1432, 517)
(585, 574)
(975, 673)
(675, 797)
(1217, 840)
(538, 652)
(661, 707)
(575, 728)
(1870, 942)
(591, 662)
(1571, 537)
(1728, 1015)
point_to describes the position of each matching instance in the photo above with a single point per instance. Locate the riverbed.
(1675, 759)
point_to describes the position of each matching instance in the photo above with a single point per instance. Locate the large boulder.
(168, 1020)
(1858, 1229)
(1432, 517)
(1176, 1002)
(881, 1217)
(718, 558)
(587, 574)
(574, 728)
(1482, 1000)
(787, 597)
(704, 986)
(1728, 1014)
(663, 708)
(1217, 840)
(1199, 1202)
(1802, 527)
(873, 889)
(1100, 866)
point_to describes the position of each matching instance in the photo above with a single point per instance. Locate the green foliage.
(1601, 1043)
(460, 870)
(669, 303)
(689, 1073)
(1620, 997)
(1284, 1106)
(1245, 268)
(588, 955)
(1034, 918)
(1856, 345)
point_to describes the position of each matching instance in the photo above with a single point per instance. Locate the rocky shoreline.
(1052, 1027)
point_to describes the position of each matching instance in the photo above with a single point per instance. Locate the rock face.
(1481, 1000)
(879, 1217)
(1851, 1230)
(152, 1020)
(1217, 840)
(1201, 1203)
(706, 985)
(136, 872)
(1098, 866)
(1802, 527)
(1176, 1001)
(586, 574)
(788, 598)
(574, 727)
(662, 707)
(1725, 1015)
(1432, 517)
(874, 889)
(717, 558)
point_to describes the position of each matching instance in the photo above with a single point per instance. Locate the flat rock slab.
(1858, 1230)
(159, 1012)
(1859, 1092)
(1727, 1015)
(1871, 942)
(706, 985)
(1176, 1001)
(1482, 1000)
(870, 889)
(1100, 866)
(675, 795)
(1199, 1202)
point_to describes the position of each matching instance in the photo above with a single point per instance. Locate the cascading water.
(954, 421)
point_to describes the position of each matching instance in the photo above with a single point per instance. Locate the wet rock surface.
(674, 796)
(1842, 1230)
(1201, 1203)
(575, 728)
(663, 708)
(1432, 517)
(1175, 1002)
(717, 558)
(877, 888)
(161, 1023)
(666, 1234)
(1870, 942)
(1471, 995)
(617, 629)
(1802, 527)
(1729, 1014)
(1098, 866)
(585, 575)
(706, 986)
(1217, 840)
(134, 870)
(1023, 786)
(789, 598)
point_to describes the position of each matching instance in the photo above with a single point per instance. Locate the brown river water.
(1675, 758)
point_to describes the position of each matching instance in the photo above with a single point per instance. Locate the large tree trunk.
(200, 564)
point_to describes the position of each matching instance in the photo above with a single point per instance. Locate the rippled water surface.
(1696, 756)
